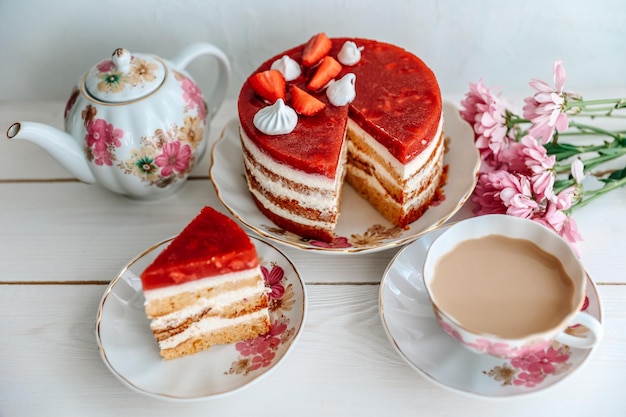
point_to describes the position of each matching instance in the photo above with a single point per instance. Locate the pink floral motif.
(71, 101)
(273, 280)
(105, 66)
(491, 348)
(338, 242)
(174, 157)
(531, 369)
(262, 360)
(193, 97)
(451, 331)
(101, 138)
(536, 366)
(261, 351)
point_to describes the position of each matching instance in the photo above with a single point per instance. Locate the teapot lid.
(124, 77)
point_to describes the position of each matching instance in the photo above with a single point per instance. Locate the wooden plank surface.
(342, 365)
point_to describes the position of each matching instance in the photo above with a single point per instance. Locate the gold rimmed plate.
(360, 228)
(129, 350)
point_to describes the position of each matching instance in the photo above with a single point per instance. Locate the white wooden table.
(62, 241)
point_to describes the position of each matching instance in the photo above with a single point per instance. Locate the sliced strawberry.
(304, 103)
(315, 49)
(270, 85)
(326, 71)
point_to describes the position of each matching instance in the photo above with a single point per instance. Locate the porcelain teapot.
(135, 123)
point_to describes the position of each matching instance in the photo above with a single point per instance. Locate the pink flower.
(530, 158)
(193, 97)
(173, 158)
(569, 232)
(263, 360)
(492, 348)
(486, 113)
(546, 108)
(273, 280)
(479, 94)
(451, 331)
(517, 196)
(486, 195)
(541, 361)
(529, 379)
(106, 66)
(338, 242)
(100, 136)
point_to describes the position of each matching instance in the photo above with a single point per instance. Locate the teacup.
(508, 287)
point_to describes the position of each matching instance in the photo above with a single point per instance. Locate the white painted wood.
(343, 365)
(54, 229)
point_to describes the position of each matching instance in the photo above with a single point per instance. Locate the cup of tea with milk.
(507, 286)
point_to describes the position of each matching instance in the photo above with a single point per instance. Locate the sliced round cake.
(345, 107)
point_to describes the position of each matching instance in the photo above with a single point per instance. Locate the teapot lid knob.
(125, 77)
(121, 60)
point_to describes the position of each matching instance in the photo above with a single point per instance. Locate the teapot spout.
(60, 145)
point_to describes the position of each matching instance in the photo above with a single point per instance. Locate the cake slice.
(206, 288)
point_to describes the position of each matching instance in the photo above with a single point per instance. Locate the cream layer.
(215, 303)
(208, 325)
(200, 284)
(404, 171)
(317, 201)
(416, 182)
(417, 201)
(282, 170)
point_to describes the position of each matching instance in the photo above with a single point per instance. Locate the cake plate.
(364, 229)
(411, 326)
(131, 353)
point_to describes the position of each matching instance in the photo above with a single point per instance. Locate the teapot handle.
(191, 52)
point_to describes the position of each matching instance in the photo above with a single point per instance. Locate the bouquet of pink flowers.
(527, 169)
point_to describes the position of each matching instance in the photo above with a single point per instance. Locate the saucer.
(364, 229)
(129, 350)
(410, 324)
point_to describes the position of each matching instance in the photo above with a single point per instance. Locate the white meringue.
(288, 67)
(349, 54)
(277, 119)
(342, 91)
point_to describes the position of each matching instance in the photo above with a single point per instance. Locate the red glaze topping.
(398, 102)
(212, 244)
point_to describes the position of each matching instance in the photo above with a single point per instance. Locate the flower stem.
(617, 103)
(589, 196)
(594, 129)
(591, 163)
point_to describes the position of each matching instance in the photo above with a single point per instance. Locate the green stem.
(594, 129)
(591, 163)
(589, 196)
(618, 103)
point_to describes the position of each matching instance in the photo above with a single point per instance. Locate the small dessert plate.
(410, 324)
(364, 230)
(129, 350)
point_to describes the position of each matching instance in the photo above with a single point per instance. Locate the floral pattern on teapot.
(163, 157)
(114, 81)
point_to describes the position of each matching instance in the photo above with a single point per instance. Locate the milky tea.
(503, 286)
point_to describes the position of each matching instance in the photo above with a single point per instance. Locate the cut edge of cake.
(230, 305)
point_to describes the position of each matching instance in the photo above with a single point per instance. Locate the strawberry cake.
(205, 288)
(344, 108)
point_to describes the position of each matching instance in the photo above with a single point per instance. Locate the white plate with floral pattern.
(364, 229)
(409, 321)
(129, 350)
